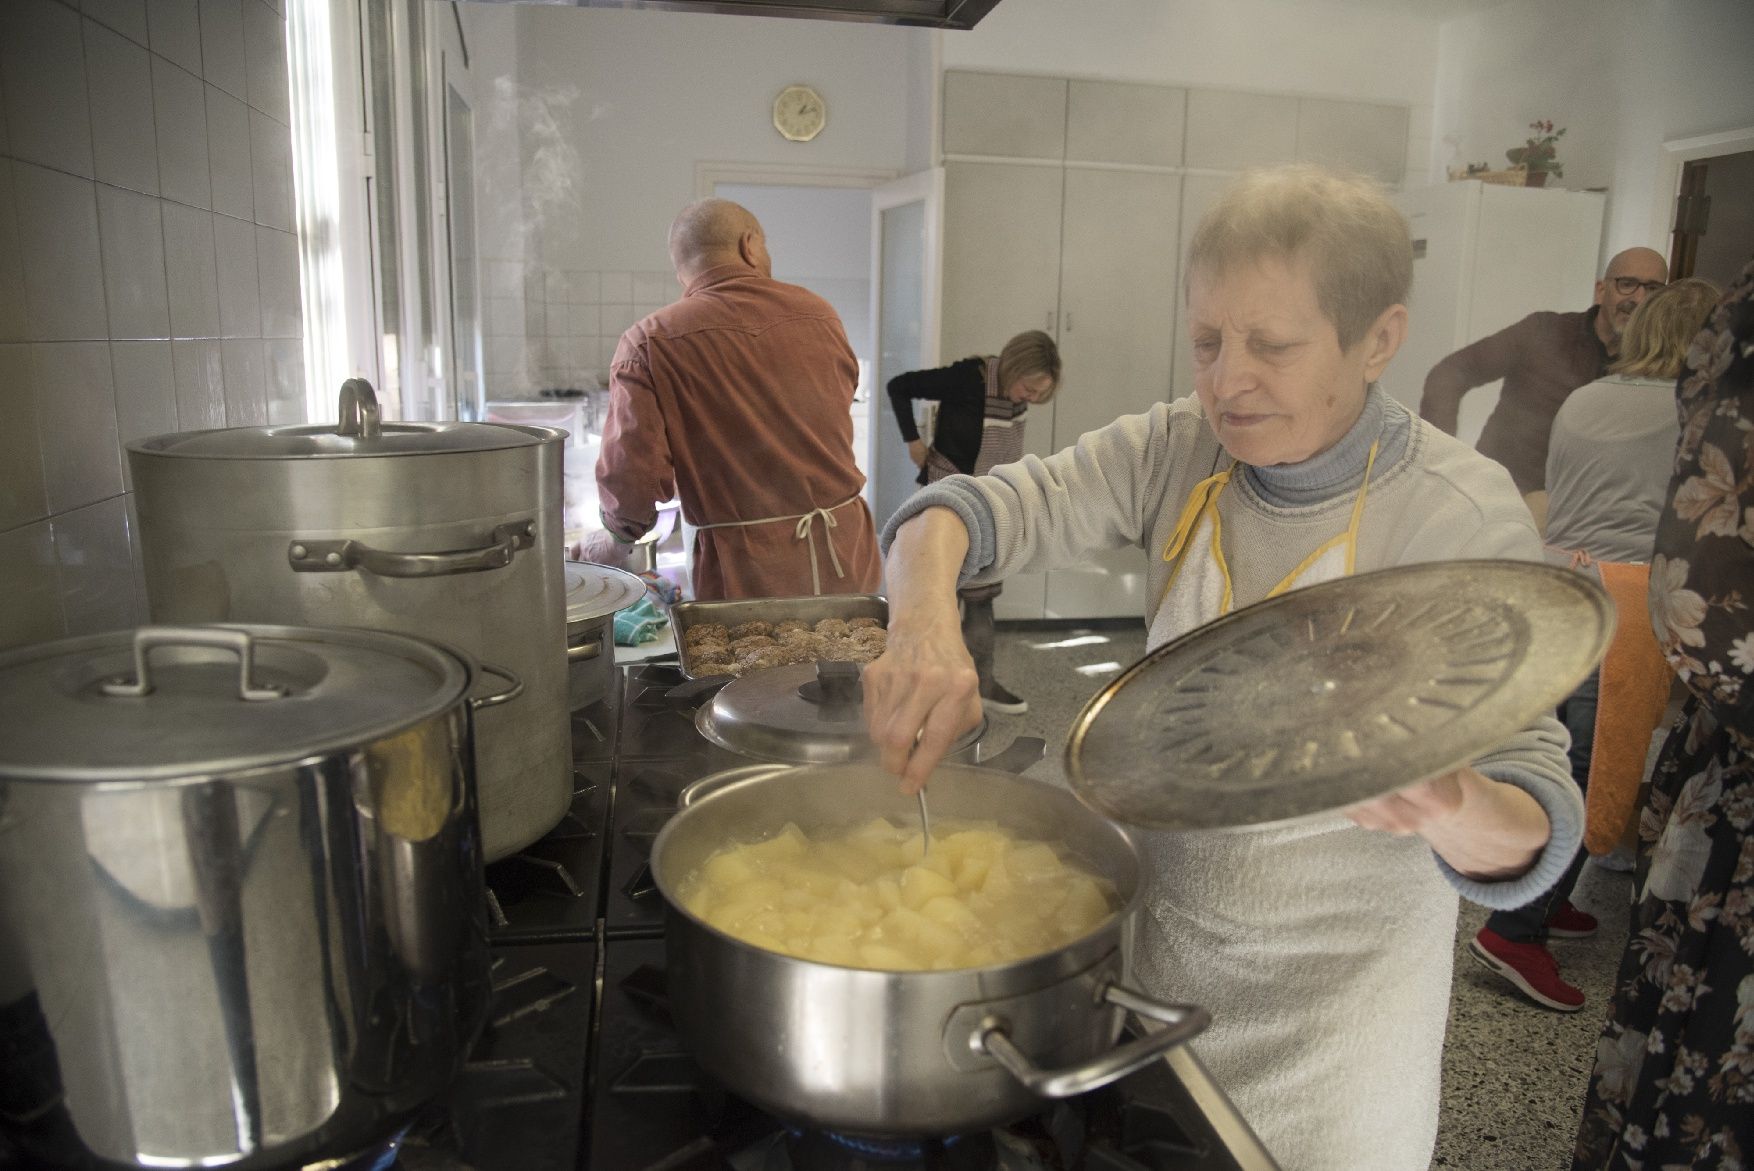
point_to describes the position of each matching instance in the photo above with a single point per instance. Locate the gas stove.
(580, 1069)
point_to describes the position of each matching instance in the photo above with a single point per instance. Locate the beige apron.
(805, 531)
(1199, 587)
(1322, 1034)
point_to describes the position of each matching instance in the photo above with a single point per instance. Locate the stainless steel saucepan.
(903, 1053)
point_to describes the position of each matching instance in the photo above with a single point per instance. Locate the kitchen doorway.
(1713, 234)
(1707, 215)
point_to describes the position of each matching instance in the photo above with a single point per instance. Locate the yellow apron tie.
(803, 533)
(1203, 503)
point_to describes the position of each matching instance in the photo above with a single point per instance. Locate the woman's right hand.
(920, 696)
(916, 451)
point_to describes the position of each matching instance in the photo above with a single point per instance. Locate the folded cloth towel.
(641, 622)
(1635, 690)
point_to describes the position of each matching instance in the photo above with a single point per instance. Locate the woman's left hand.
(1485, 829)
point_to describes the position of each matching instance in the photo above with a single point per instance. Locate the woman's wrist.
(1495, 832)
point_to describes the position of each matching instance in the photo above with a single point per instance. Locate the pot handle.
(1022, 753)
(1184, 1021)
(584, 652)
(506, 695)
(339, 556)
(148, 638)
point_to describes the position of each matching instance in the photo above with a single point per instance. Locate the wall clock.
(799, 113)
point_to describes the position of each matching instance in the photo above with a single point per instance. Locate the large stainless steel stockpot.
(902, 1053)
(446, 531)
(241, 897)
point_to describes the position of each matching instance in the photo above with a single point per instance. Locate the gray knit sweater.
(1322, 949)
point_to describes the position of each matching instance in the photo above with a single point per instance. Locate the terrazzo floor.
(1514, 1073)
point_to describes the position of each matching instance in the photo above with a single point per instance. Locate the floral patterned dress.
(1673, 1085)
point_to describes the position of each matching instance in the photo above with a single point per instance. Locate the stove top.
(580, 1069)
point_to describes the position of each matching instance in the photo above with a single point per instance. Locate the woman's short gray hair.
(1356, 243)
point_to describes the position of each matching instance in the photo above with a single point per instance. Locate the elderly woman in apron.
(1323, 949)
(982, 407)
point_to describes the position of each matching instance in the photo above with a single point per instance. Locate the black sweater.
(960, 389)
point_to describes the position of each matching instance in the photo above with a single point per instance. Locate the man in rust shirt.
(737, 401)
(1542, 359)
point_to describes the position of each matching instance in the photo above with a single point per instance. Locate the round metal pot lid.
(1336, 694)
(322, 441)
(221, 699)
(783, 713)
(597, 591)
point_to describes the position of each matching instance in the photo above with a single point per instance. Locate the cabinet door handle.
(1049, 327)
(1068, 321)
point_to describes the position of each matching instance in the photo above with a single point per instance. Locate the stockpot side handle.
(150, 638)
(1183, 1023)
(339, 556)
(504, 695)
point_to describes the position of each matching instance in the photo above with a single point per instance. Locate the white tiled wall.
(148, 274)
(553, 327)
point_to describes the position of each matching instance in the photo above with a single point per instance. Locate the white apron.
(1312, 945)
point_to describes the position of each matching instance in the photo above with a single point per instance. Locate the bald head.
(1631, 276)
(711, 232)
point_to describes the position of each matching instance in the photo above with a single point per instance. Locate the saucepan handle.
(1022, 753)
(1183, 1022)
(338, 556)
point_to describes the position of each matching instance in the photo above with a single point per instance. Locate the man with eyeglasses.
(1542, 359)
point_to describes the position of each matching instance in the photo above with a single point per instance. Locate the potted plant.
(1540, 154)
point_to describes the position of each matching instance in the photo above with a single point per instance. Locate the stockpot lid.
(360, 434)
(1335, 694)
(221, 699)
(802, 713)
(320, 441)
(596, 591)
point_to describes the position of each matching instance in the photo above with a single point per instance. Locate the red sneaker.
(1529, 966)
(1567, 922)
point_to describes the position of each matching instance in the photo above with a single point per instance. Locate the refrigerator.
(1484, 256)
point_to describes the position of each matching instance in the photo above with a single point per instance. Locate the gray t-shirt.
(1608, 465)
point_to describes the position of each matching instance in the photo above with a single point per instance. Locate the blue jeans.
(1528, 923)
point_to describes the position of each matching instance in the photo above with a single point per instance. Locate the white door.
(906, 257)
(1118, 282)
(1002, 276)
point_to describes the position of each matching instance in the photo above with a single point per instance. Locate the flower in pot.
(1539, 155)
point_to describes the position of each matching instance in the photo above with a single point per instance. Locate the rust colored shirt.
(1542, 359)
(737, 401)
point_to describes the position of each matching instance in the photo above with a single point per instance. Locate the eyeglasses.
(1628, 285)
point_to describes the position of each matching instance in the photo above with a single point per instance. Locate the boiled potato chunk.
(874, 896)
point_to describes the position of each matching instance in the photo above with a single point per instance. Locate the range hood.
(955, 14)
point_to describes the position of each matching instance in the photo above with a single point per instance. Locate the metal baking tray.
(684, 615)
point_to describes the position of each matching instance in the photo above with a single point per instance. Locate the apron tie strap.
(802, 531)
(803, 534)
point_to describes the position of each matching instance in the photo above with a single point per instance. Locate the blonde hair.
(1656, 339)
(1030, 352)
(1356, 243)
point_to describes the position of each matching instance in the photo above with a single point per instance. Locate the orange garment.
(1635, 691)
(737, 401)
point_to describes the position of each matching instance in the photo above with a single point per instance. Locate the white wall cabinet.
(1068, 206)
